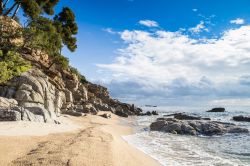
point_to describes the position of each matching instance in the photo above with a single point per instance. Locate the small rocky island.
(219, 109)
(191, 125)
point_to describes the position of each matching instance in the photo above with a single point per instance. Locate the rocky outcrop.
(34, 92)
(10, 111)
(219, 109)
(241, 118)
(148, 113)
(183, 116)
(43, 96)
(195, 127)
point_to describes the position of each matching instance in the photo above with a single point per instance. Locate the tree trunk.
(1, 7)
(5, 3)
(14, 14)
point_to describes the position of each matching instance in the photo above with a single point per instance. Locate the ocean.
(181, 150)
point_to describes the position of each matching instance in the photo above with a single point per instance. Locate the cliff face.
(46, 91)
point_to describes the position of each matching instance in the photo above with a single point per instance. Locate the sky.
(165, 52)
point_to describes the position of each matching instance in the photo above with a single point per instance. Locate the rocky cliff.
(39, 95)
(48, 90)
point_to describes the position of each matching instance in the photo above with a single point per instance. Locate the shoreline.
(90, 140)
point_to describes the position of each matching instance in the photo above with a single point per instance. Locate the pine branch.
(5, 3)
(10, 9)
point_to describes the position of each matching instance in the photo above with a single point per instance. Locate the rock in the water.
(194, 127)
(155, 113)
(219, 109)
(241, 118)
(106, 115)
(148, 113)
(182, 116)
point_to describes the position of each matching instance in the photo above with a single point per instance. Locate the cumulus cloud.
(148, 23)
(167, 67)
(199, 28)
(238, 21)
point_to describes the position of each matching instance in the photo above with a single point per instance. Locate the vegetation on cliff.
(41, 35)
(12, 65)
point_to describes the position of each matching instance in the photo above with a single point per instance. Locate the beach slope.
(87, 141)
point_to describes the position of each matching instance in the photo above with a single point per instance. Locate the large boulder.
(33, 90)
(34, 114)
(195, 127)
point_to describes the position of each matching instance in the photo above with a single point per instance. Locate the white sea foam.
(179, 150)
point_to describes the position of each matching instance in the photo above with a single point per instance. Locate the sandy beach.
(85, 141)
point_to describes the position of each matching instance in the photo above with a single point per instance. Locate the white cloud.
(175, 66)
(199, 28)
(149, 23)
(109, 30)
(238, 21)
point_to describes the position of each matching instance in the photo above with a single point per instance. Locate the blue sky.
(165, 52)
(96, 46)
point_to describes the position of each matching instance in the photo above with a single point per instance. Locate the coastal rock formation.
(48, 90)
(48, 93)
(182, 116)
(194, 127)
(148, 113)
(219, 109)
(33, 92)
(241, 118)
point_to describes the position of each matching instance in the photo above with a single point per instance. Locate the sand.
(78, 141)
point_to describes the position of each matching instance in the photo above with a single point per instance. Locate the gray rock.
(106, 115)
(68, 95)
(241, 118)
(6, 103)
(194, 127)
(33, 89)
(219, 109)
(89, 108)
(10, 115)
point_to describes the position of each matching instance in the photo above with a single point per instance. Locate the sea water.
(181, 150)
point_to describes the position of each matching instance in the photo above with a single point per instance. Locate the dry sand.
(78, 141)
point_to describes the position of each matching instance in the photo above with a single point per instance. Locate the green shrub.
(78, 74)
(12, 65)
(62, 61)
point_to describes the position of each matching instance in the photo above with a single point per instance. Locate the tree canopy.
(40, 34)
(32, 8)
(55, 32)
